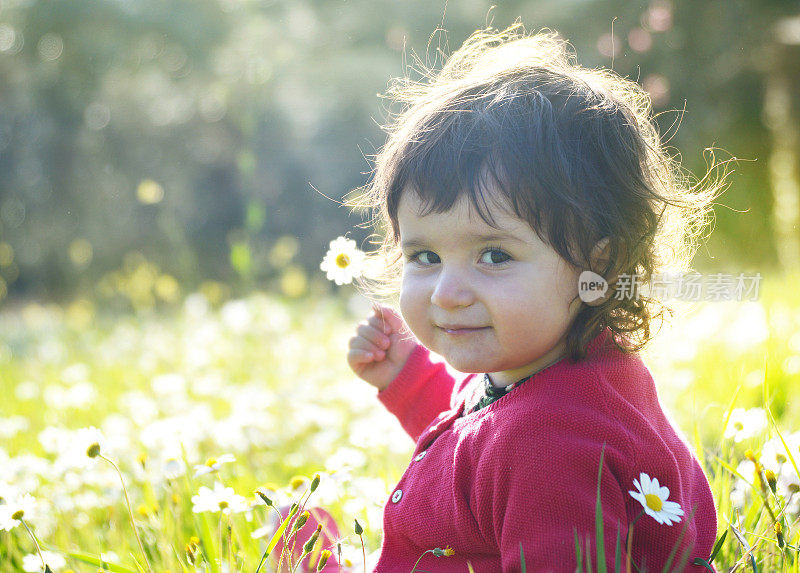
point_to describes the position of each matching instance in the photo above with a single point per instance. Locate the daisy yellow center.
(342, 261)
(654, 502)
(210, 462)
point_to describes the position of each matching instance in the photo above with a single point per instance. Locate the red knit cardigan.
(522, 472)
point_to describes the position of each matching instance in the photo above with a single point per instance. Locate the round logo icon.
(591, 287)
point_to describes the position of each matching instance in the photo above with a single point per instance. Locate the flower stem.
(364, 553)
(230, 542)
(260, 563)
(130, 511)
(418, 560)
(36, 543)
(628, 559)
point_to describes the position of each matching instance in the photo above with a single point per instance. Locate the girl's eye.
(494, 256)
(425, 258)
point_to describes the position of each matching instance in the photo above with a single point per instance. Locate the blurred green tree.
(159, 128)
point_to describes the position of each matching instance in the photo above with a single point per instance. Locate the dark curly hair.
(574, 151)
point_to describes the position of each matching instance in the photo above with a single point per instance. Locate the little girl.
(504, 178)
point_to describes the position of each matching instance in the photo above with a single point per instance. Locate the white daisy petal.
(672, 507)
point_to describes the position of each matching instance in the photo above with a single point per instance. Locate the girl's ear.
(601, 264)
(600, 259)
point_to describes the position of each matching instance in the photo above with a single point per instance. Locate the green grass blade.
(733, 471)
(718, 546)
(578, 552)
(785, 445)
(746, 547)
(522, 558)
(598, 521)
(728, 413)
(672, 553)
(209, 548)
(97, 562)
(703, 563)
(775, 424)
(618, 554)
(277, 536)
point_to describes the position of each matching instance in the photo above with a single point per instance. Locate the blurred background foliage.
(154, 147)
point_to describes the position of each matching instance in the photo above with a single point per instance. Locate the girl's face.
(494, 300)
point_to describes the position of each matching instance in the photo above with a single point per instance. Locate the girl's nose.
(451, 290)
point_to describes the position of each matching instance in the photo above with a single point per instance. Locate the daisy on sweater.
(515, 191)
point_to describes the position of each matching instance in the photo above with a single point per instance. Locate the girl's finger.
(386, 318)
(373, 334)
(378, 323)
(357, 356)
(360, 343)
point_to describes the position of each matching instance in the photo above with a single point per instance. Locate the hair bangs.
(444, 163)
(493, 151)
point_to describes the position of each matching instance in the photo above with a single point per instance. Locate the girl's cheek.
(412, 300)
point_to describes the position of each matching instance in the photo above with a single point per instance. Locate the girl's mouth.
(456, 330)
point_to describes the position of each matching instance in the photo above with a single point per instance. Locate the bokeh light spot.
(50, 47)
(212, 107)
(167, 288)
(12, 212)
(609, 46)
(10, 40)
(283, 251)
(214, 291)
(80, 314)
(80, 252)
(294, 282)
(6, 254)
(658, 87)
(96, 115)
(788, 31)
(149, 192)
(658, 17)
(640, 40)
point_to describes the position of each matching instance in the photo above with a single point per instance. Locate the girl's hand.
(380, 348)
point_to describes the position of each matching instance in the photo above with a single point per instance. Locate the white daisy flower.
(173, 468)
(32, 563)
(221, 498)
(654, 500)
(744, 424)
(213, 464)
(7, 523)
(15, 509)
(344, 261)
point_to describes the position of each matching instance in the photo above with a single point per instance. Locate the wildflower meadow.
(227, 434)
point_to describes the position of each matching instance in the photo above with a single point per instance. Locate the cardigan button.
(398, 493)
(420, 456)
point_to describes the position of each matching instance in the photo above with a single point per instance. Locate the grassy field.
(170, 394)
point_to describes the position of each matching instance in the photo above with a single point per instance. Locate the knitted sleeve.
(419, 393)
